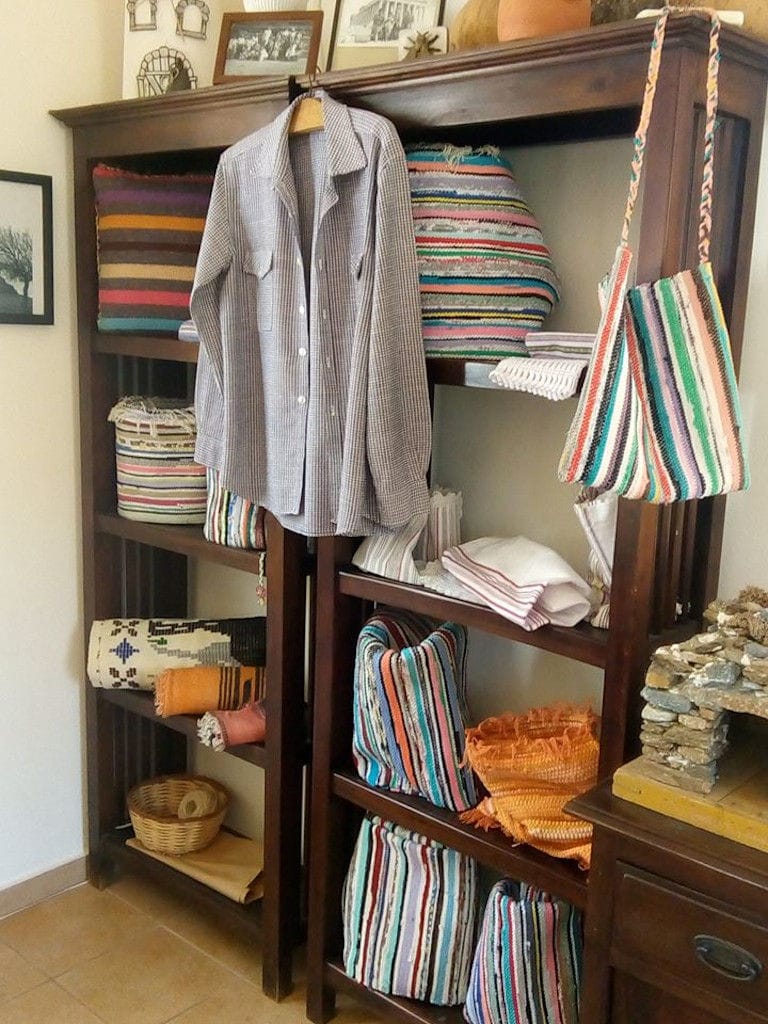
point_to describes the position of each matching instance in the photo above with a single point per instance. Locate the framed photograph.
(267, 43)
(26, 250)
(368, 31)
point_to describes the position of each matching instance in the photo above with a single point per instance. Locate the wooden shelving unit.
(574, 87)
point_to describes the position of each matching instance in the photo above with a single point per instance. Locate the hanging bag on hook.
(659, 415)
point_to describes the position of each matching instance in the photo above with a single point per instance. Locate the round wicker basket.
(153, 806)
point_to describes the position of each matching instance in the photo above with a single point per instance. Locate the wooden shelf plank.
(245, 916)
(141, 702)
(410, 1011)
(582, 643)
(146, 346)
(559, 877)
(184, 540)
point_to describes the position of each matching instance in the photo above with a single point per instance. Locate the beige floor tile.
(235, 1002)
(69, 929)
(47, 1004)
(147, 979)
(148, 896)
(16, 974)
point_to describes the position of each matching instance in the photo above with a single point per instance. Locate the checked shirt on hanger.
(311, 392)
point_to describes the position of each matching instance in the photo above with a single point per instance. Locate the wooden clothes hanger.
(307, 115)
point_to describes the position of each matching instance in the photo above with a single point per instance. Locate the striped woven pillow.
(149, 228)
(408, 709)
(409, 907)
(527, 967)
(486, 275)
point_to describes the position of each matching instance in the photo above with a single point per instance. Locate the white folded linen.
(554, 379)
(522, 580)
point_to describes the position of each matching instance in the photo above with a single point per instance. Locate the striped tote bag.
(660, 398)
(409, 909)
(408, 709)
(528, 961)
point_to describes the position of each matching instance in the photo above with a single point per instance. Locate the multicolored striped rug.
(527, 968)
(149, 228)
(408, 709)
(409, 907)
(486, 275)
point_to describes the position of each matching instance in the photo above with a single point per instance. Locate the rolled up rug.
(222, 729)
(192, 691)
(133, 653)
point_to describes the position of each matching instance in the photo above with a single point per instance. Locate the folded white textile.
(522, 580)
(554, 379)
(597, 513)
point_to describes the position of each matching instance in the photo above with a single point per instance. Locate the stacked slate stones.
(692, 687)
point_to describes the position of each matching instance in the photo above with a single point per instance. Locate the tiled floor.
(134, 954)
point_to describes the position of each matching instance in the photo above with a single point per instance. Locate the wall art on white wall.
(169, 45)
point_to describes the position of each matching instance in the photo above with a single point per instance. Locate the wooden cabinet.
(677, 925)
(576, 87)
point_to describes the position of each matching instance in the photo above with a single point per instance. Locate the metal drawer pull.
(726, 958)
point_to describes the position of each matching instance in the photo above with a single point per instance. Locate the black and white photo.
(26, 267)
(267, 43)
(369, 23)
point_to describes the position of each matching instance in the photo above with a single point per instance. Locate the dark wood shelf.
(141, 702)
(409, 1011)
(582, 643)
(183, 540)
(244, 916)
(146, 346)
(559, 877)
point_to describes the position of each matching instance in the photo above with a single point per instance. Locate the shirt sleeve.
(213, 261)
(399, 431)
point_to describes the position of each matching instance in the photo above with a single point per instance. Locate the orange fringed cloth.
(193, 691)
(532, 765)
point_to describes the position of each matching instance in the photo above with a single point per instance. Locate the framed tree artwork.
(26, 257)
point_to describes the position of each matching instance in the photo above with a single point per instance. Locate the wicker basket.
(153, 806)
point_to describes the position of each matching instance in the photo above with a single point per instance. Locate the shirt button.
(319, 264)
(328, 363)
(301, 399)
(298, 261)
(332, 411)
(325, 314)
(302, 351)
(301, 311)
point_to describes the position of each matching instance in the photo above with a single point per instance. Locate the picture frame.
(367, 31)
(26, 248)
(253, 44)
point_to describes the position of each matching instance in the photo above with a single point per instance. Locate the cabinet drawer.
(691, 944)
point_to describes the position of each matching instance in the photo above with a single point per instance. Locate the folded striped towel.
(525, 582)
(555, 379)
(559, 344)
(192, 691)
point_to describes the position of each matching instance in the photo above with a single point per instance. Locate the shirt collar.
(344, 152)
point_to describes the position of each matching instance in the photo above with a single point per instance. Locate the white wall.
(77, 50)
(54, 55)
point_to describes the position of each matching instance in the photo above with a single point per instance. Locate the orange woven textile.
(532, 765)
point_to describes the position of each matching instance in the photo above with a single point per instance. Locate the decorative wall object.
(26, 262)
(476, 24)
(142, 15)
(267, 43)
(368, 31)
(412, 43)
(170, 45)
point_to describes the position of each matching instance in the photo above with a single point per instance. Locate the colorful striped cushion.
(158, 480)
(409, 907)
(408, 703)
(527, 968)
(148, 228)
(486, 275)
(230, 519)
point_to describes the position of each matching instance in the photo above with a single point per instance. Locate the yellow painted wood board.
(737, 807)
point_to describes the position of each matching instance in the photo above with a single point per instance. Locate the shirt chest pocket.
(258, 266)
